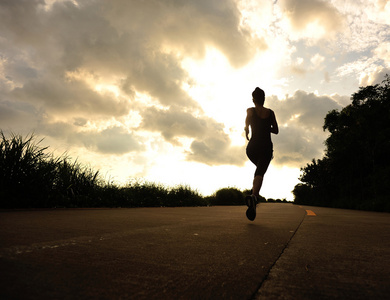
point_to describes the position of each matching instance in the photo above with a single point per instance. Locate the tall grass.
(32, 178)
(24, 169)
(76, 184)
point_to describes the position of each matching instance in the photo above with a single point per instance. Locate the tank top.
(261, 129)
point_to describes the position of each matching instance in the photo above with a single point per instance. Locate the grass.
(33, 178)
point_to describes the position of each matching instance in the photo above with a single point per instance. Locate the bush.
(156, 195)
(228, 196)
(184, 196)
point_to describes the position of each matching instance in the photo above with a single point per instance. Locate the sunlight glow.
(295, 117)
(102, 88)
(224, 94)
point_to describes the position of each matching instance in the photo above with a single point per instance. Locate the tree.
(355, 172)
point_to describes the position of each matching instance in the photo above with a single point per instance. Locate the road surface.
(288, 252)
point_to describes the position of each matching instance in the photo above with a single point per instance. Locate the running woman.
(259, 150)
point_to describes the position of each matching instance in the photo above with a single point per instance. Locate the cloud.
(210, 144)
(295, 146)
(14, 116)
(306, 109)
(363, 65)
(189, 26)
(312, 18)
(374, 77)
(297, 66)
(175, 122)
(300, 118)
(217, 151)
(64, 97)
(141, 40)
(383, 52)
(367, 43)
(379, 11)
(366, 25)
(56, 57)
(317, 61)
(112, 140)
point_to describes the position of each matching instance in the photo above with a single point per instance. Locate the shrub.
(156, 195)
(228, 196)
(182, 195)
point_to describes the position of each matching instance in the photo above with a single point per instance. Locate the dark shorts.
(260, 155)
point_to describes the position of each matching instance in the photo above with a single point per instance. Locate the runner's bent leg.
(257, 183)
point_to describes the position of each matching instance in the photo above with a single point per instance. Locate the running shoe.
(248, 200)
(251, 211)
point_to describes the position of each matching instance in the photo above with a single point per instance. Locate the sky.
(157, 90)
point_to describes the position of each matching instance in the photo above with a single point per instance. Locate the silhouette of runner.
(259, 150)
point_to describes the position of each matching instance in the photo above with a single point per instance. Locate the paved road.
(195, 253)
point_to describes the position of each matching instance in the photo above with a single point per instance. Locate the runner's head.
(258, 96)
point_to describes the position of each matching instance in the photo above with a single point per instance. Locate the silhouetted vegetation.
(355, 171)
(227, 196)
(33, 178)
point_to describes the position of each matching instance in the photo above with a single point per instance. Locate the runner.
(259, 150)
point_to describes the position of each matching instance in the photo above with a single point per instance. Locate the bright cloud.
(312, 19)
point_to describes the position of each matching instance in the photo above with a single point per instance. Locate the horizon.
(158, 91)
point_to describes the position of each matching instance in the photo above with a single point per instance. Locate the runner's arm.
(247, 120)
(274, 124)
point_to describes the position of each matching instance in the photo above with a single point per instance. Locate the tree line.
(355, 170)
